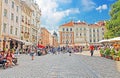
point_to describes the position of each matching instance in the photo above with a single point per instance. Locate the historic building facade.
(44, 37)
(10, 15)
(66, 32)
(26, 16)
(19, 23)
(81, 33)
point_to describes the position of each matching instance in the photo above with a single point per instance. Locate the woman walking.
(32, 52)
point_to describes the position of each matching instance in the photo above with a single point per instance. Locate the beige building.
(66, 32)
(19, 23)
(10, 15)
(81, 33)
(35, 21)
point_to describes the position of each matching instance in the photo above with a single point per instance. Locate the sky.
(54, 13)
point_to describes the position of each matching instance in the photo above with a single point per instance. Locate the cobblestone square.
(62, 66)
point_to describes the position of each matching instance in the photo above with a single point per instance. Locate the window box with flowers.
(26, 22)
(28, 33)
(21, 31)
(22, 20)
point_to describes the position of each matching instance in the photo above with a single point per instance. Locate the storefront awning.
(17, 40)
(22, 41)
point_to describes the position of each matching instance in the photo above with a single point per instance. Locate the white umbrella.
(115, 39)
(104, 41)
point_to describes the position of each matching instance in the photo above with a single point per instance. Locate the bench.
(3, 63)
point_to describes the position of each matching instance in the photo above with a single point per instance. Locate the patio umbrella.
(40, 46)
(116, 39)
(104, 41)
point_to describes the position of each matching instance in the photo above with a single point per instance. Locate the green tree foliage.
(113, 25)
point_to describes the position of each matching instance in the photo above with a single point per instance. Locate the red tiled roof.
(101, 23)
(80, 23)
(69, 24)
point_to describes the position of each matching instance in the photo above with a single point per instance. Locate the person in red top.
(9, 58)
(91, 49)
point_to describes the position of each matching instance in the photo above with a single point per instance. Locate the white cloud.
(50, 15)
(88, 5)
(102, 7)
(65, 1)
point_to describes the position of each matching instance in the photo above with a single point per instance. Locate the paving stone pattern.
(62, 66)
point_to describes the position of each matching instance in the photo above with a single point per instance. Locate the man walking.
(91, 49)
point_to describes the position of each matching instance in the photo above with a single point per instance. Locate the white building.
(81, 33)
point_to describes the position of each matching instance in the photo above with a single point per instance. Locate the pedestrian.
(69, 49)
(17, 52)
(91, 49)
(32, 51)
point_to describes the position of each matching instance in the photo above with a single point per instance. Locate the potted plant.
(107, 53)
(101, 52)
(118, 54)
(112, 53)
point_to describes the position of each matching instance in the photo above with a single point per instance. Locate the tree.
(113, 25)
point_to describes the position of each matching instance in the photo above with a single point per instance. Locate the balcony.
(22, 20)
(37, 19)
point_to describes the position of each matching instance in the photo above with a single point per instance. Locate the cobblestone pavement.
(62, 66)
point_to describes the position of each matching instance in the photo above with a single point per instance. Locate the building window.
(22, 18)
(90, 35)
(12, 16)
(63, 29)
(77, 29)
(33, 13)
(67, 29)
(17, 8)
(12, 4)
(70, 29)
(80, 34)
(102, 33)
(80, 28)
(16, 30)
(84, 34)
(84, 28)
(98, 40)
(33, 21)
(77, 34)
(97, 30)
(6, 1)
(4, 27)
(90, 30)
(16, 19)
(93, 30)
(102, 28)
(26, 20)
(5, 12)
(11, 29)
(90, 40)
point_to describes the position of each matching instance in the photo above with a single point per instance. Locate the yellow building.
(10, 14)
(26, 21)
